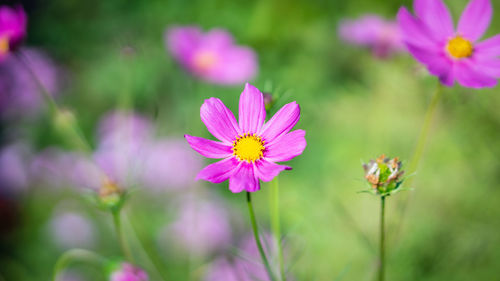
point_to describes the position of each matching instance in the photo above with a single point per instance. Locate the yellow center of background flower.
(4, 44)
(248, 147)
(204, 60)
(459, 47)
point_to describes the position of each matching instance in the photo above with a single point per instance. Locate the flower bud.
(384, 174)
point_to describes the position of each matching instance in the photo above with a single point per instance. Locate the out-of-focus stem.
(257, 237)
(381, 271)
(275, 224)
(419, 149)
(76, 255)
(75, 133)
(119, 234)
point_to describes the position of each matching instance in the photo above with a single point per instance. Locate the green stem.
(381, 272)
(419, 149)
(74, 255)
(119, 234)
(257, 238)
(275, 222)
(417, 155)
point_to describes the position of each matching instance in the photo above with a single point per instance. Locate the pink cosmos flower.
(211, 56)
(129, 272)
(374, 32)
(251, 147)
(13, 23)
(448, 53)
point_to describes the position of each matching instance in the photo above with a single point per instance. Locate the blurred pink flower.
(201, 227)
(129, 272)
(71, 230)
(448, 53)
(169, 165)
(212, 56)
(20, 95)
(13, 23)
(14, 163)
(251, 148)
(374, 32)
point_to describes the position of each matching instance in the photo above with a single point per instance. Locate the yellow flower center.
(204, 60)
(458, 47)
(4, 44)
(248, 147)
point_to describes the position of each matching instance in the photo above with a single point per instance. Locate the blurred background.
(107, 65)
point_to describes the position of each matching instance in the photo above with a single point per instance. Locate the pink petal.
(488, 48)
(286, 147)
(413, 30)
(252, 112)
(282, 122)
(218, 171)
(468, 74)
(436, 16)
(436, 61)
(475, 19)
(490, 67)
(235, 65)
(266, 170)
(209, 148)
(219, 120)
(244, 179)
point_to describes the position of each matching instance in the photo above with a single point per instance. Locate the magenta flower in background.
(251, 147)
(19, 94)
(129, 272)
(201, 226)
(49, 168)
(13, 23)
(380, 35)
(448, 53)
(211, 56)
(70, 229)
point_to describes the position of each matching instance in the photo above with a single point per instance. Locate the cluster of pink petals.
(280, 143)
(129, 272)
(427, 34)
(127, 154)
(211, 56)
(13, 22)
(374, 32)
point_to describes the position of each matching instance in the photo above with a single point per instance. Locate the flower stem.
(257, 238)
(121, 238)
(417, 155)
(419, 149)
(275, 223)
(74, 255)
(381, 271)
